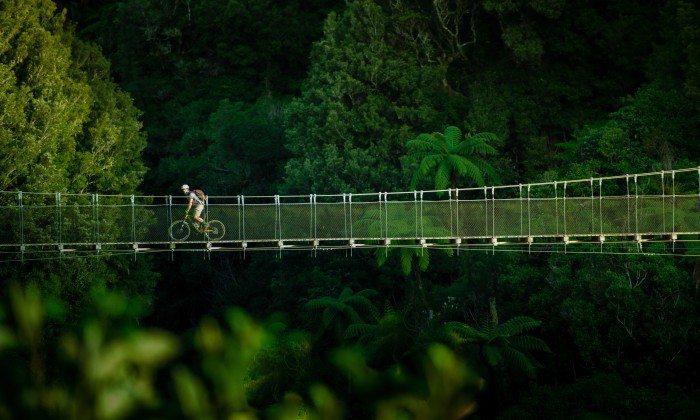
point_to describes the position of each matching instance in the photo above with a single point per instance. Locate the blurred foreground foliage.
(107, 366)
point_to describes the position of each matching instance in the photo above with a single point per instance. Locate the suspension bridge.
(603, 214)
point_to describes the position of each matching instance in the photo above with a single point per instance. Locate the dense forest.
(263, 97)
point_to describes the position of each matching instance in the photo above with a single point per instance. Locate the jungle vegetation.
(263, 97)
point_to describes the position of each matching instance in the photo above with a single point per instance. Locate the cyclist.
(199, 206)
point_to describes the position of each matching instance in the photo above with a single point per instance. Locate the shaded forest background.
(322, 96)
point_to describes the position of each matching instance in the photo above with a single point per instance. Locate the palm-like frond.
(330, 314)
(467, 167)
(453, 136)
(493, 355)
(465, 333)
(526, 342)
(406, 260)
(447, 154)
(429, 162)
(519, 361)
(367, 293)
(442, 176)
(352, 314)
(362, 304)
(345, 293)
(359, 331)
(319, 303)
(423, 258)
(425, 143)
(516, 325)
(484, 136)
(346, 308)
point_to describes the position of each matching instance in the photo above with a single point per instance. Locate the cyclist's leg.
(198, 212)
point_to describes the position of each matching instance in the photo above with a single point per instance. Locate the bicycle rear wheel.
(215, 230)
(179, 231)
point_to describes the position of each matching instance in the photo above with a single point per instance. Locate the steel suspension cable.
(58, 220)
(243, 239)
(529, 220)
(315, 220)
(381, 228)
(636, 211)
(520, 191)
(21, 221)
(556, 207)
(663, 203)
(493, 211)
(133, 220)
(486, 211)
(96, 207)
(592, 215)
(449, 194)
(457, 207)
(673, 211)
(422, 233)
(278, 216)
(600, 211)
(311, 216)
(386, 216)
(350, 212)
(627, 179)
(564, 202)
(415, 210)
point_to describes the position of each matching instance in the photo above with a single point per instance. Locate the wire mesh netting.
(661, 203)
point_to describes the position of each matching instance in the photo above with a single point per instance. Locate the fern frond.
(465, 167)
(406, 257)
(493, 355)
(484, 136)
(353, 315)
(477, 147)
(527, 342)
(519, 361)
(358, 331)
(345, 293)
(516, 325)
(453, 135)
(424, 142)
(367, 293)
(319, 303)
(423, 259)
(415, 179)
(442, 176)
(429, 162)
(465, 332)
(382, 255)
(362, 304)
(330, 314)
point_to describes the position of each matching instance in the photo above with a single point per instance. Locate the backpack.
(200, 194)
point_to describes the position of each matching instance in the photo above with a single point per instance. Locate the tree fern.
(347, 309)
(450, 157)
(529, 343)
(516, 325)
(518, 361)
(501, 345)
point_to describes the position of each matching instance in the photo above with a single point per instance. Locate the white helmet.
(185, 187)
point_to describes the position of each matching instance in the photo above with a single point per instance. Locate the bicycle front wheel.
(215, 230)
(179, 231)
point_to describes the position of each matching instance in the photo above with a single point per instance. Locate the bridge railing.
(661, 203)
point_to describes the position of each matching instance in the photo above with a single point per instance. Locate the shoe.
(196, 224)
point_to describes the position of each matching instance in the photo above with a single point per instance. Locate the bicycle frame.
(180, 230)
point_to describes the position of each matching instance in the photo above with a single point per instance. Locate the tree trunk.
(493, 311)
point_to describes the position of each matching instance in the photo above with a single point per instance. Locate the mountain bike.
(180, 230)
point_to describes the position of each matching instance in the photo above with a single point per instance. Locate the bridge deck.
(632, 208)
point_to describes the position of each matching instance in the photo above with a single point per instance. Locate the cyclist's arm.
(190, 205)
